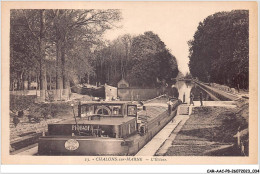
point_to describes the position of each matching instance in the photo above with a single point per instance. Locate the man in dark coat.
(191, 98)
(201, 98)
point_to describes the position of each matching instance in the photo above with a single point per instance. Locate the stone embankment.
(222, 92)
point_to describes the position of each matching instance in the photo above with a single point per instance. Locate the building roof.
(123, 81)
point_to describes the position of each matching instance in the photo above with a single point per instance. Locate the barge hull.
(86, 146)
(140, 141)
(55, 145)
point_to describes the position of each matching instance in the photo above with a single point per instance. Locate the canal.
(180, 89)
(186, 88)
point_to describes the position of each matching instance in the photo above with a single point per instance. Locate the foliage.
(55, 45)
(24, 53)
(20, 102)
(48, 110)
(16, 121)
(188, 76)
(219, 50)
(152, 61)
(36, 111)
(59, 48)
(142, 60)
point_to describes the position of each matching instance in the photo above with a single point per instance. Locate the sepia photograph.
(129, 82)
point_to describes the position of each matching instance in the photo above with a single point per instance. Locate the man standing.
(169, 106)
(201, 98)
(191, 98)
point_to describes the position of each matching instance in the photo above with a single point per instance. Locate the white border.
(125, 168)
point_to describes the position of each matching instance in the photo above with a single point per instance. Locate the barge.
(107, 128)
(89, 90)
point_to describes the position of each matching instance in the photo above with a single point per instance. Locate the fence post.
(60, 94)
(242, 148)
(238, 137)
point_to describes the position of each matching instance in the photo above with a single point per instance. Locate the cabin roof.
(102, 121)
(106, 102)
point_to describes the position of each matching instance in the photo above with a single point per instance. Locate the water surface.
(180, 90)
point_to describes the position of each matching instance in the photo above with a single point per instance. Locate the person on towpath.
(191, 98)
(201, 98)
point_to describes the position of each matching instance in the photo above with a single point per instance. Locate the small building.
(122, 84)
(110, 92)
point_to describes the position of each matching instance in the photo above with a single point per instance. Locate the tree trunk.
(29, 81)
(63, 68)
(43, 83)
(36, 83)
(50, 81)
(101, 72)
(22, 80)
(122, 71)
(13, 85)
(66, 85)
(59, 80)
(88, 78)
(25, 81)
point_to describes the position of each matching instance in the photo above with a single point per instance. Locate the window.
(117, 110)
(131, 110)
(129, 129)
(87, 110)
(103, 110)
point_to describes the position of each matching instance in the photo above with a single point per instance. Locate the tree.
(83, 26)
(188, 76)
(151, 61)
(141, 60)
(66, 37)
(127, 42)
(24, 49)
(112, 60)
(219, 49)
(33, 28)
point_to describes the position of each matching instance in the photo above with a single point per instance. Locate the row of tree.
(49, 44)
(61, 48)
(219, 51)
(142, 60)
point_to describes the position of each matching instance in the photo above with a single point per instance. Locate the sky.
(174, 23)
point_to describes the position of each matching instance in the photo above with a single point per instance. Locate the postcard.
(129, 82)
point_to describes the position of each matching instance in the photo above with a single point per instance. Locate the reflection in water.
(180, 90)
(138, 94)
(185, 88)
(196, 91)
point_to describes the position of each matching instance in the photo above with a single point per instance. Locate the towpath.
(167, 134)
